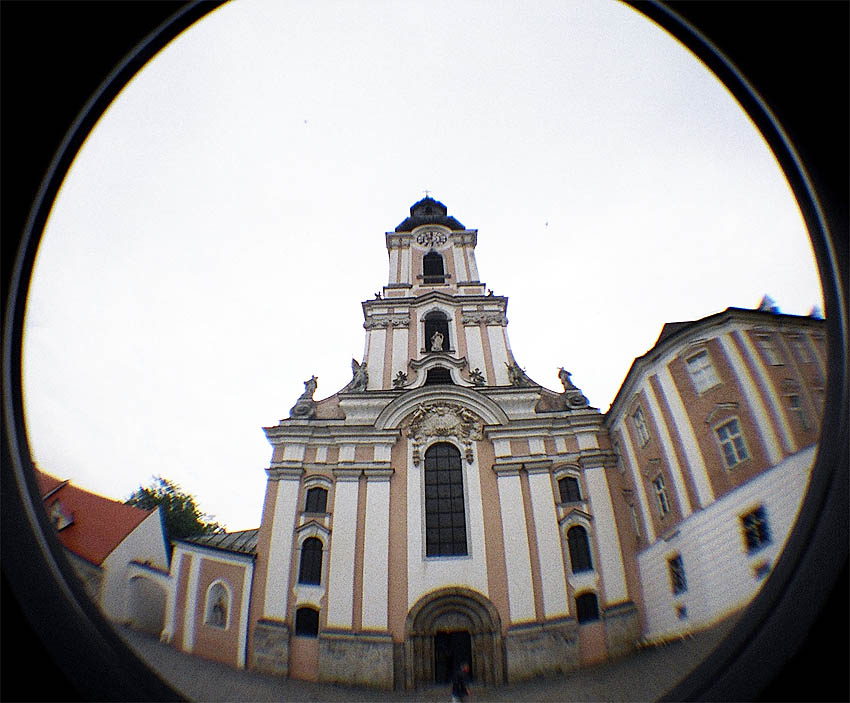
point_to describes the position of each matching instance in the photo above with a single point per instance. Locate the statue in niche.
(400, 380)
(437, 341)
(360, 377)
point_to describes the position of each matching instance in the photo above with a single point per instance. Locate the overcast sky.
(218, 231)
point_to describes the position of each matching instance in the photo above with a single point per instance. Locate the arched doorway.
(447, 627)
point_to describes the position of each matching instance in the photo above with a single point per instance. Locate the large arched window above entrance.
(437, 332)
(579, 547)
(433, 269)
(310, 569)
(445, 518)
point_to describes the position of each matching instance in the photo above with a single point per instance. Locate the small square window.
(702, 371)
(756, 530)
(768, 348)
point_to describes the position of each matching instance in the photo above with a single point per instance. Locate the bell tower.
(435, 322)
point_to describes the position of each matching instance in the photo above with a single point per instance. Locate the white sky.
(218, 231)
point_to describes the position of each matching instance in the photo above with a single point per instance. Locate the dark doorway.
(451, 649)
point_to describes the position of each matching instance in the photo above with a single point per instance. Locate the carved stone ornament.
(400, 380)
(477, 377)
(488, 318)
(305, 406)
(384, 321)
(431, 238)
(517, 376)
(444, 420)
(360, 377)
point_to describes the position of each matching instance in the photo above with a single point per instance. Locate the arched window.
(433, 270)
(579, 547)
(307, 622)
(587, 607)
(437, 332)
(217, 605)
(310, 570)
(317, 500)
(569, 489)
(445, 518)
(438, 376)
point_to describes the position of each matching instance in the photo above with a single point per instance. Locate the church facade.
(444, 507)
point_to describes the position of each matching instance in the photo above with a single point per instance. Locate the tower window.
(445, 517)
(438, 376)
(307, 622)
(587, 608)
(579, 547)
(569, 489)
(310, 570)
(317, 500)
(433, 270)
(437, 332)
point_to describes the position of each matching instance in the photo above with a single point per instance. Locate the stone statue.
(360, 378)
(564, 375)
(305, 406)
(477, 377)
(437, 341)
(400, 380)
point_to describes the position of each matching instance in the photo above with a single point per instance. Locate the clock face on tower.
(431, 238)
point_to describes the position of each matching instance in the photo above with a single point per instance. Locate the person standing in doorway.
(460, 684)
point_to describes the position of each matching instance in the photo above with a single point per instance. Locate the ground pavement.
(643, 676)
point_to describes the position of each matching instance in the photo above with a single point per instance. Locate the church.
(443, 507)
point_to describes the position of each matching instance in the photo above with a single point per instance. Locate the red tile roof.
(100, 524)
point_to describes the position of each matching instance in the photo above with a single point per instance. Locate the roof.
(428, 212)
(242, 542)
(96, 525)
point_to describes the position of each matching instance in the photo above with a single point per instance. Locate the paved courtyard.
(644, 676)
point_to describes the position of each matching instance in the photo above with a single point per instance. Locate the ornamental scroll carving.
(488, 318)
(386, 321)
(431, 238)
(444, 420)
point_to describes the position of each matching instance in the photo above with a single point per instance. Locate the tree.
(181, 514)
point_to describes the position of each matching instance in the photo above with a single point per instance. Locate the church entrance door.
(451, 649)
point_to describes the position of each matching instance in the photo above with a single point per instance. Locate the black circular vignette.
(55, 57)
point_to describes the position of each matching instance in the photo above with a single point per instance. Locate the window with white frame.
(639, 422)
(732, 443)
(635, 519)
(755, 529)
(768, 348)
(578, 545)
(678, 582)
(661, 495)
(702, 371)
(217, 605)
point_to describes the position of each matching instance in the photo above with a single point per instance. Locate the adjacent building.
(444, 507)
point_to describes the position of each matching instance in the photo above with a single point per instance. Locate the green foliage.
(181, 514)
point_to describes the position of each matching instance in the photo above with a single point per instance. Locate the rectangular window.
(635, 520)
(732, 443)
(661, 495)
(796, 405)
(702, 371)
(568, 487)
(801, 349)
(317, 500)
(756, 530)
(678, 582)
(445, 516)
(640, 426)
(768, 348)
